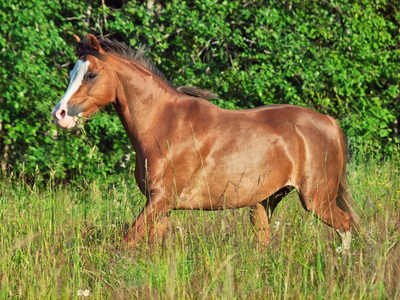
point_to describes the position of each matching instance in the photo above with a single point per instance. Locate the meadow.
(59, 239)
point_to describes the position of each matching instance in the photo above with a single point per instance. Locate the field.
(56, 240)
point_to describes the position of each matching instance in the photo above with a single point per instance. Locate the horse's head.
(92, 84)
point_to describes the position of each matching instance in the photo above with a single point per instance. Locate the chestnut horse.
(191, 154)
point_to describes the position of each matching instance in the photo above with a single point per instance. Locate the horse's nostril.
(62, 114)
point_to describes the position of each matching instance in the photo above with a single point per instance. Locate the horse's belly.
(230, 194)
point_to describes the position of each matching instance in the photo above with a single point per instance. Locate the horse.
(192, 154)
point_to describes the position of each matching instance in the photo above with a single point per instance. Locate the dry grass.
(55, 241)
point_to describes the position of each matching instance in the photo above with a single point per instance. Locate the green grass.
(56, 240)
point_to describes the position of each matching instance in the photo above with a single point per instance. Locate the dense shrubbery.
(340, 58)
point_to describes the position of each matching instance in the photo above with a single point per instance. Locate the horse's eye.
(90, 76)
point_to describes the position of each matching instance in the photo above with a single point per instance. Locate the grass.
(57, 240)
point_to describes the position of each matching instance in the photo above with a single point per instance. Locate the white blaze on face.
(60, 112)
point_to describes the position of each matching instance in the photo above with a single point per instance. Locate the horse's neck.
(141, 97)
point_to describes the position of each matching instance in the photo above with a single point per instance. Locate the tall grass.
(57, 240)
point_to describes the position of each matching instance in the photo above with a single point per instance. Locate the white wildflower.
(277, 224)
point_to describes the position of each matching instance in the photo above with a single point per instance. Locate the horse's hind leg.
(323, 204)
(260, 218)
(322, 201)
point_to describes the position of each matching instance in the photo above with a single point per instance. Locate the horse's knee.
(161, 227)
(152, 222)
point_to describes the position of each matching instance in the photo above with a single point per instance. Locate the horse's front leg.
(152, 222)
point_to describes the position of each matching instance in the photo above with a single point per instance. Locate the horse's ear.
(79, 43)
(94, 43)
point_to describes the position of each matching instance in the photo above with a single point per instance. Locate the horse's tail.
(344, 200)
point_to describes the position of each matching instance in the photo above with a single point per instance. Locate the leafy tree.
(337, 57)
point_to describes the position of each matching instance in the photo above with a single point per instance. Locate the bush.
(338, 58)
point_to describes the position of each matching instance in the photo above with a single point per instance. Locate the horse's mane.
(139, 56)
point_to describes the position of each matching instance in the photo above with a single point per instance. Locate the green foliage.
(340, 58)
(37, 55)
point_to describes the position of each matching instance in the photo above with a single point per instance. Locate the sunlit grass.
(58, 240)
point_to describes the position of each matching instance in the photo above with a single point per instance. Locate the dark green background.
(338, 57)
